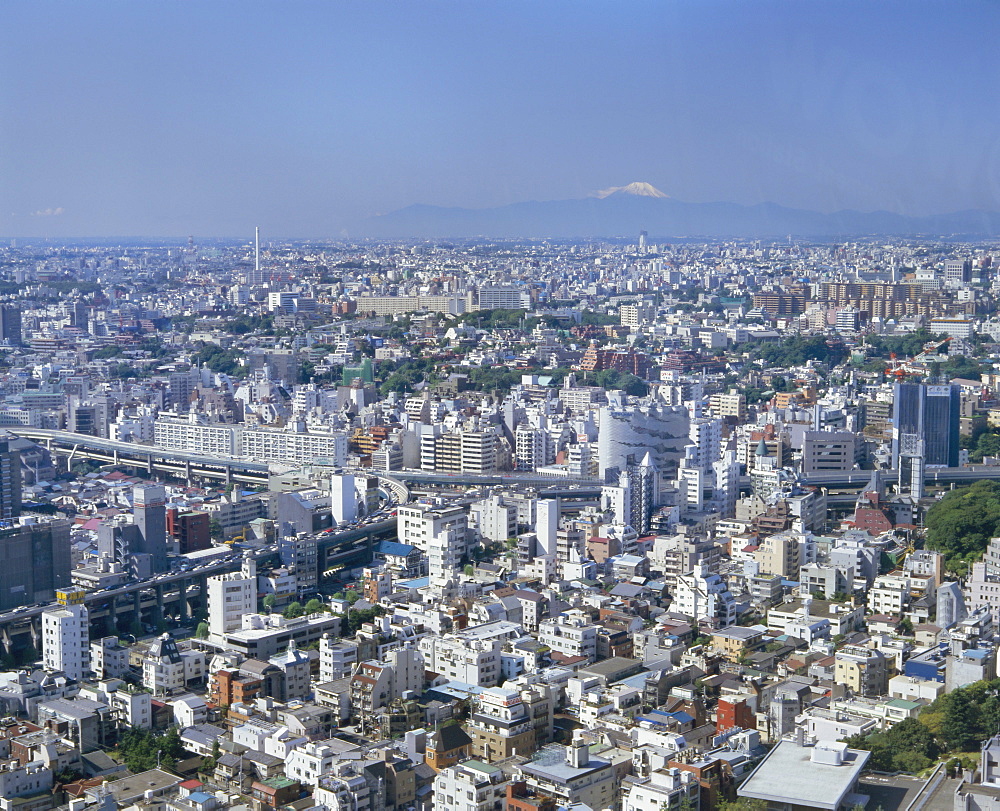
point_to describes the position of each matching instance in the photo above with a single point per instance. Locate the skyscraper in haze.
(10, 324)
(10, 481)
(925, 423)
(150, 508)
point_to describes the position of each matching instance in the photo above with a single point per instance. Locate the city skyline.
(172, 119)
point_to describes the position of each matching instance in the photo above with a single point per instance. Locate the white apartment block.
(458, 658)
(889, 594)
(494, 519)
(663, 788)
(705, 596)
(420, 523)
(337, 658)
(571, 633)
(184, 435)
(230, 596)
(307, 762)
(470, 786)
(66, 637)
(270, 445)
(167, 670)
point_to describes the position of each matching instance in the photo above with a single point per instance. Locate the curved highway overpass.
(183, 464)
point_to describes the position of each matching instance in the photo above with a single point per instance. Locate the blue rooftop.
(416, 583)
(395, 548)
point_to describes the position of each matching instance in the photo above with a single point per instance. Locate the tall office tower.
(343, 497)
(256, 277)
(925, 423)
(10, 324)
(79, 315)
(34, 562)
(547, 525)
(150, 508)
(958, 271)
(10, 481)
(66, 636)
(705, 434)
(230, 596)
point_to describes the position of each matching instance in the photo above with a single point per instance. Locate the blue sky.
(207, 118)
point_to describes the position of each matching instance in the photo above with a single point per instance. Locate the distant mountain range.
(626, 210)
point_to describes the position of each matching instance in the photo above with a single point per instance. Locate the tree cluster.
(961, 524)
(139, 747)
(955, 723)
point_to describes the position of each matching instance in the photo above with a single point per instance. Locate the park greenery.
(954, 724)
(140, 748)
(796, 351)
(961, 524)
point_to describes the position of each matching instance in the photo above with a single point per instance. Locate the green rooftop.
(479, 766)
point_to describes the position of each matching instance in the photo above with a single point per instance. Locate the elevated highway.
(181, 593)
(179, 464)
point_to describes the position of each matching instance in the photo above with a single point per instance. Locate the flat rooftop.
(789, 775)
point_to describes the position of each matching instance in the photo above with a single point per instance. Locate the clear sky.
(200, 117)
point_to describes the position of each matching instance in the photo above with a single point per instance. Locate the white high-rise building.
(691, 481)
(470, 786)
(446, 550)
(547, 525)
(344, 497)
(726, 472)
(704, 596)
(66, 636)
(230, 596)
(617, 498)
(706, 436)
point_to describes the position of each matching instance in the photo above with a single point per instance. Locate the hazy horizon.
(171, 118)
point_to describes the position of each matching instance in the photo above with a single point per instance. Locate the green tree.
(352, 596)
(140, 748)
(469, 570)
(269, 601)
(201, 632)
(294, 610)
(742, 804)
(959, 727)
(961, 524)
(314, 606)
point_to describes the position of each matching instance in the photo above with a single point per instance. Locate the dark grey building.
(150, 508)
(925, 430)
(10, 324)
(34, 562)
(10, 481)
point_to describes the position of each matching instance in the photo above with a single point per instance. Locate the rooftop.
(790, 774)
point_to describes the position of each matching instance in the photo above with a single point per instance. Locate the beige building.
(863, 671)
(779, 555)
(732, 404)
(500, 726)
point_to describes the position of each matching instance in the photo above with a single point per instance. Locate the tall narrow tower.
(150, 510)
(256, 250)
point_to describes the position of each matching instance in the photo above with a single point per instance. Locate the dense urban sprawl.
(497, 525)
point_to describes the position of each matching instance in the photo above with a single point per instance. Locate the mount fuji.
(623, 211)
